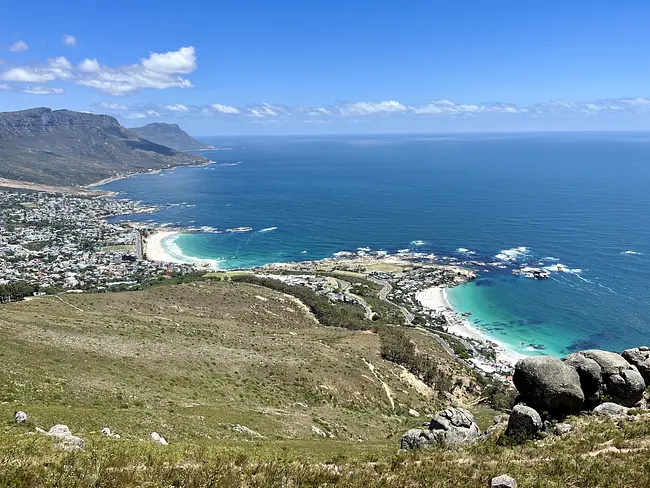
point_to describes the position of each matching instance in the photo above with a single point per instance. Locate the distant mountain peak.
(63, 147)
(170, 135)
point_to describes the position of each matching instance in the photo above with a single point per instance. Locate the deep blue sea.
(577, 199)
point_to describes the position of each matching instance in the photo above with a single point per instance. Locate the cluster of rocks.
(550, 389)
(62, 434)
(583, 380)
(452, 426)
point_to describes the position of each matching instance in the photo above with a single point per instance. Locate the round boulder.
(503, 481)
(589, 371)
(609, 409)
(418, 438)
(524, 423)
(621, 380)
(639, 357)
(455, 426)
(548, 384)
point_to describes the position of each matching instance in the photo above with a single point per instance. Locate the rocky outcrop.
(242, 429)
(503, 481)
(609, 409)
(640, 358)
(419, 438)
(582, 380)
(548, 384)
(62, 434)
(456, 425)
(621, 380)
(452, 426)
(524, 423)
(591, 380)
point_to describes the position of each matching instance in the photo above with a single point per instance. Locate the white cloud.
(69, 40)
(136, 115)
(371, 108)
(42, 90)
(181, 61)
(158, 71)
(88, 66)
(60, 62)
(153, 113)
(267, 110)
(28, 75)
(225, 109)
(177, 108)
(112, 106)
(18, 46)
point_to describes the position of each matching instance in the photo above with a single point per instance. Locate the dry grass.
(190, 360)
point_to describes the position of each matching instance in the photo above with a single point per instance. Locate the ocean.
(579, 200)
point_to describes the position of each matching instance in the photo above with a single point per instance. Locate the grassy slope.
(191, 360)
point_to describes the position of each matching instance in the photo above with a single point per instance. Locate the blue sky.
(255, 67)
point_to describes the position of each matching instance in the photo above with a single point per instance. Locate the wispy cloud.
(69, 40)
(32, 90)
(224, 109)
(18, 46)
(179, 107)
(365, 110)
(370, 108)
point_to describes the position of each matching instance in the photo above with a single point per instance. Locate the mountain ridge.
(170, 135)
(68, 148)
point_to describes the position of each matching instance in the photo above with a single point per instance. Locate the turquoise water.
(580, 200)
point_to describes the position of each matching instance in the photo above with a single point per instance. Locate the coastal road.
(345, 286)
(383, 295)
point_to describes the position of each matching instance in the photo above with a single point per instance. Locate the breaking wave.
(512, 255)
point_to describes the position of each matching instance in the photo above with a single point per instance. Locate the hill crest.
(170, 135)
(64, 147)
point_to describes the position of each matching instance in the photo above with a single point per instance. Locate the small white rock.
(156, 437)
(20, 417)
(414, 413)
(106, 431)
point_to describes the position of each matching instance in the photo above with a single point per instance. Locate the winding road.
(383, 295)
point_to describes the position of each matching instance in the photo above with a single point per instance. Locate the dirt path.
(386, 388)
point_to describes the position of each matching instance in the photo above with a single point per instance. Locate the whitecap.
(418, 243)
(511, 255)
(630, 252)
(267, 229)
(550, 258)
(303, 252)
(403, 251)
(464, 250)
(341, 254)
(364, 249)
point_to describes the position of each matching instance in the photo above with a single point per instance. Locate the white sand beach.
(435, 298)
(157, 252)
(160, 247)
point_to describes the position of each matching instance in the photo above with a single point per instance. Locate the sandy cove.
(435, 298)
(156, 251)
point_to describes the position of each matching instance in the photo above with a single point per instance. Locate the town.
(52, 242)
